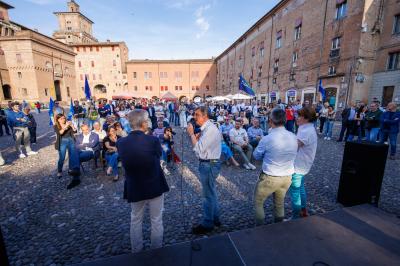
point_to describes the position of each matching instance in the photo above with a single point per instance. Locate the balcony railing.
(334, 53)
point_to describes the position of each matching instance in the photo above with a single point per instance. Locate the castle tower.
(74, 27)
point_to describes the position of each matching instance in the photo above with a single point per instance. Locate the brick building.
(103, 63)
(299, 42)
(33, 66)
(183, 78)
(386, 77)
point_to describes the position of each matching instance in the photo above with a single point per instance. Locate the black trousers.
(32, 132)
(346, 127)
(321, 124)
(4, 123)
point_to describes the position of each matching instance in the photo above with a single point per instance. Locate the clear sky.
(154, 29)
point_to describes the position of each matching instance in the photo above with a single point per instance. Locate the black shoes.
(217, 223)
(74, 183)
(201, 230)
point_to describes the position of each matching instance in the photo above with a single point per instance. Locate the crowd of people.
(138, 135)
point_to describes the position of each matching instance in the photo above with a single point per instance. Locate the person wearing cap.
(18, 121)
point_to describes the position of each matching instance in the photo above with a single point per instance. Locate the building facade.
(183, 78)
(104, 65)
(296, 44)
(386, 78)
(74, 27)
(34, 66)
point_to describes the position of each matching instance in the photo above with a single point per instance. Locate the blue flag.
(88, 95)
(244, 86)
(51, 106)
(71, 111)
(321, 90)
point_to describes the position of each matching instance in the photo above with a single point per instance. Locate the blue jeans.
(85, 156)
(328, 126)
(112, 161)
(372, 134)
(298, 195)
(290, 125)
(177, 122)
(171, 117)
(263, 123)
(392, 141)
(68, 144)
(209, 172)
(91, 122)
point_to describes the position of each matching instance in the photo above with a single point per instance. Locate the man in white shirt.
(307, 140)
(207, 147)
(238, 136)
(278, 151)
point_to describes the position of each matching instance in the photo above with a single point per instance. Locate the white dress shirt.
(86, 138)
(278, 151)
(306, 154)
(208, 147)
(238, 136)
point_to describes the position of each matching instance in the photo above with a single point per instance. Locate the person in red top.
(38, 106)
(289, 118)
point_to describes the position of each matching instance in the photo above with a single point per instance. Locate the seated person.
(255, 133)
(159, 130)
(97, 129)
(245, 120)
(238, 136)
(226, 151)
(226, 128)
(120, 131)
(110, 148)
(221, 117)
(109, 122)
(87, 144)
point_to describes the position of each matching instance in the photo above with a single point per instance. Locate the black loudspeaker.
(362, 172)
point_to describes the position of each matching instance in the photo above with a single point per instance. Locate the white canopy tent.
(220, 99)
(239, 96)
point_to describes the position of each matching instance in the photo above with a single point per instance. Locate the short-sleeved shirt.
(306, 153)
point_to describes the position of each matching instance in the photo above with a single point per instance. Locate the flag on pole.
(71, 111)
(88, 95)
(244, 86)
(51, 106)
(321, 90)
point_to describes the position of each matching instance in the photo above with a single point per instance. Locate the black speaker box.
(362, 172)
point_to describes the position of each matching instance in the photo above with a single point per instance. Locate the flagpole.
(320, 51)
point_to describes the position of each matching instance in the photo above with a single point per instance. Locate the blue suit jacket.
(140, 156)
(390, 122)
(94, 142)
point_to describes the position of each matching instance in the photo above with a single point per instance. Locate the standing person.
(38, 107)
(207, 147)
(65, 140)
(152, 115)
(289, 118)
(79, 114)
(323, 113)
(18, 122)
(171, 109)
(145, 182)
(348, 115)
(390, 127)
(111, 151)
(307, 142)
(182, 115)
(278, 150)
(32, 125)
(93, 115)
(358, 122)
(373, 119)
(103, 111)
(329, 122)
(3, 122)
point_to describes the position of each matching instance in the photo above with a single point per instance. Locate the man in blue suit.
(144, 179)
(87, 144)
(390, 121)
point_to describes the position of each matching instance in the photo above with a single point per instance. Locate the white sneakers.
(21, 155)
(249, 166)
(327, 138)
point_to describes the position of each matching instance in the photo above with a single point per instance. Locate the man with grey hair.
(278, 151)
(145, 182)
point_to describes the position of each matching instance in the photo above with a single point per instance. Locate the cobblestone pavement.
(44, 224)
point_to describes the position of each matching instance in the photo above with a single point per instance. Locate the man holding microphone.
(207, 146)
